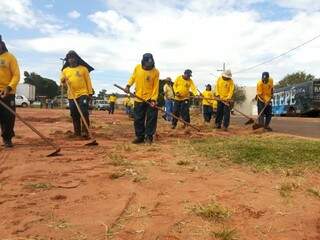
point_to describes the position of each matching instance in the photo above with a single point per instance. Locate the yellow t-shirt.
(146, 83)
(168, 92)
(207, 98)
(79, 81)
(214, 104)
(224, 89)
(9, 71)
(182, 88)
(112, 99)
(264, 91)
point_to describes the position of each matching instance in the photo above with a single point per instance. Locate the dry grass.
(212, 212)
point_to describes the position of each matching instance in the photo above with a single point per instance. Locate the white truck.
(27, 90)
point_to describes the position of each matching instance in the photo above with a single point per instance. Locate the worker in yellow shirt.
(168, 99)
(76, 72)
(207, 104)
(264, 96)
(146, 80)
(126, 104)
(182, 87)
(224, 91)
(9, 79)
(214, 107)
(112, 102)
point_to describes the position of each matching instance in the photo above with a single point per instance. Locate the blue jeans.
(169, 108)
(223, 113)
(266, 116)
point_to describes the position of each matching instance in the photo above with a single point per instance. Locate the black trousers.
(145, 120)
(207, 113)
(181, 109)
(111, 110)
(7, 119)
(83, 102)
(223, 113)
(266, 116)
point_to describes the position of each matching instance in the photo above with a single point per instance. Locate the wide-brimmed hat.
(168, 79)
(227, 74)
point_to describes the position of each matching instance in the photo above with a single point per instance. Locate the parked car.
(101, 105)
(22, 101)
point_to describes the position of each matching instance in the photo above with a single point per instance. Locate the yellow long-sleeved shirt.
(79, 81)
(207, 98)
(112, 99)
(182, 87)
(224, 89)
(146, 83)
(9, 72)
(214, 104)
(264, 91)
(168, 92)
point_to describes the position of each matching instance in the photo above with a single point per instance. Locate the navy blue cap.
(265, 75)
(188, 72)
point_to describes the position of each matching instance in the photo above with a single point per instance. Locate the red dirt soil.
(121, 191)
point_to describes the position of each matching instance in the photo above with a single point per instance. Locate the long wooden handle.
(79, 110)
(264, 108)
(160, 109)
(29, 125)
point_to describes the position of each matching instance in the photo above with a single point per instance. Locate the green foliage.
(262, 153)
(102, 94)
(239, 95)
(44, 86)
(294, 78)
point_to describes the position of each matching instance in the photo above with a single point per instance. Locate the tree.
(239, 95)
(44, 86)
(102, 94)
(294, 78)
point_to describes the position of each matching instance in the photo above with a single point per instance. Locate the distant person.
(112, 102)
(9, 79)
(125, 103)
(168, 99)
(182, 87)
(224, 90)
(214, 107)
(76, 72)
(264, 96)
(146, 80)
(207, 104)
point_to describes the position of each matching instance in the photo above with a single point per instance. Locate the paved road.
(305, 127)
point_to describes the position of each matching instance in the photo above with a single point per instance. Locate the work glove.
(127, 89)
(153, 103)
(6, 91)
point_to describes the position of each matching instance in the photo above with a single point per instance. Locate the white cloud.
(189, 37)
(18, 14)
(74, 14)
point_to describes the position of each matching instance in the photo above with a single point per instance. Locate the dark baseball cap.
(188, 72)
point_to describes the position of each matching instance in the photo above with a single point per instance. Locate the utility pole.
(223, 68)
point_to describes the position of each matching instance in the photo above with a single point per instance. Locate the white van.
(22, 101)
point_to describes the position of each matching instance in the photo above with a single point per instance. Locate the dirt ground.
(121, 191)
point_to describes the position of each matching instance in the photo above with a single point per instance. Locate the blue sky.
(198, 34)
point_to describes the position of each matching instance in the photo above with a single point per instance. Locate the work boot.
(76, 127)
(149, 140)
(138, 140)
(7, 143)
(268, 129)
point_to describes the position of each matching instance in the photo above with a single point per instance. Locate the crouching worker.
(146, 80)
(207, 104)
(9, 79)
(75, 74)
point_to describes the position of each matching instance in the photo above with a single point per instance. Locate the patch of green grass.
(314, 192)
(261, 152)
(286, 189)
(44, 186)
(226, 234)
(212, 212)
